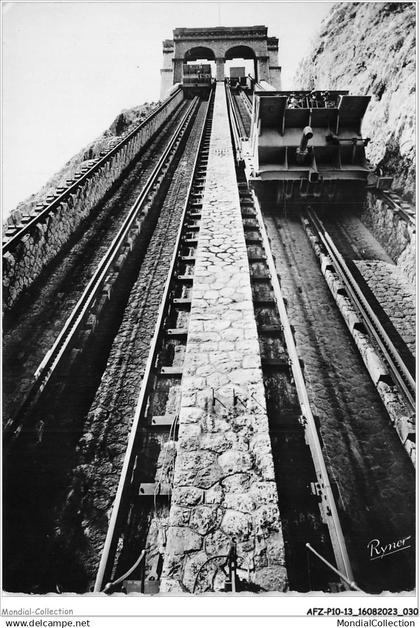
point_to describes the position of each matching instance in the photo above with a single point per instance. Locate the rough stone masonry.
(224, 486)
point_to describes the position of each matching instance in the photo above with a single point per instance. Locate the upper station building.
(220, 44)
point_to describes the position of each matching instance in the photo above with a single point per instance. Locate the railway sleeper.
(183, 302)
(163, 394)
(288, 428)
(95, 313)
(170, 371)
(178, 332)
(154, 489)
(163, 421)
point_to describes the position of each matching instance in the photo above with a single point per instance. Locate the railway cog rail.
(81, 310)
(399, 371)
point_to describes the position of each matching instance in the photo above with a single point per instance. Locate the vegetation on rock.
(369, 48)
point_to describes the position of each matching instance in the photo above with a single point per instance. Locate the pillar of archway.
(167, 72)
(274, 68)
(220, 43)
(220, 69)
(263, 71)
(178, 70)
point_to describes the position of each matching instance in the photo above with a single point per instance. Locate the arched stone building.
(220, 44)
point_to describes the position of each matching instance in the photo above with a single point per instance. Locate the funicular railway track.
(381, 515)
(307, 498)
(241, 109)
(357, 437)
(128, 560)
(135, 504)
(31, 328)
(401, 372)
(360, 251)
(307, 502)
(98, 290)
(17, 230)
(77, 337)
(246, 98)
(307, 505)
(404, 209)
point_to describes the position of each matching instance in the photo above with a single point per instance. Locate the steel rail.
(351, 584)
(72, 324)
(13, 240)
(327, 505)
(112, 536)
(234, 125)
(233, 115)
(397, 205)
(399, 370)
(238, 115)
(246, 101)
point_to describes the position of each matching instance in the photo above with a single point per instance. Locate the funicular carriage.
(308, 146)
(196, 79)
(237, 77)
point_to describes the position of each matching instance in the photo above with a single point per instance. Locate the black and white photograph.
(209, 311)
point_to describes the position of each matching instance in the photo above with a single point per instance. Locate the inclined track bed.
(358, 439)
(97, 292)
(143, 495)
(391, 347)
(39, 436)
(313, 503)
(306, 502)
(31, 329)
(284, 416)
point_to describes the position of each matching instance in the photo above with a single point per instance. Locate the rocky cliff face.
(369, 48)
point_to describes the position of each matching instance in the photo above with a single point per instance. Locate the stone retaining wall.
(24, 263)
(394, 233)
(396, 296)
(224, 486)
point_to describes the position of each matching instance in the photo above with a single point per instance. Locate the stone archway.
(243, 52)
(218, 43)
(199, 52)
